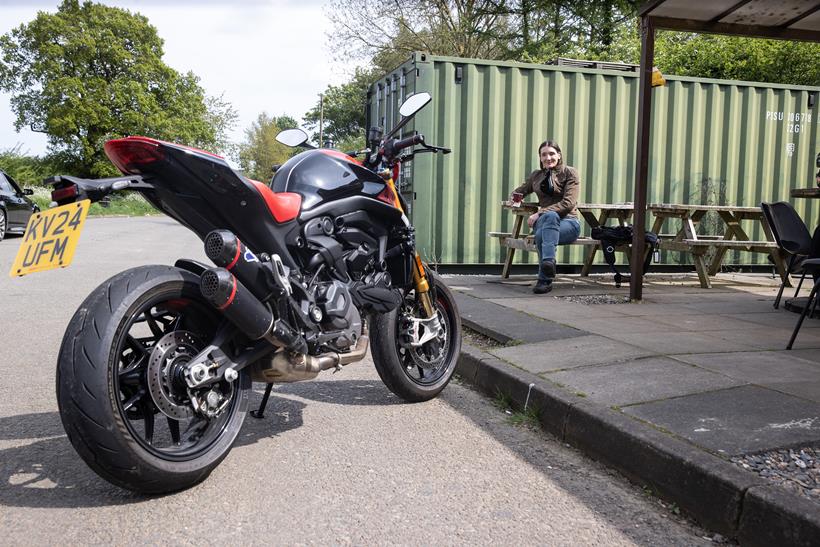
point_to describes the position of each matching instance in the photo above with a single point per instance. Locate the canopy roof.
(784, 19)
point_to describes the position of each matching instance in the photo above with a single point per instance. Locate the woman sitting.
(556, 221)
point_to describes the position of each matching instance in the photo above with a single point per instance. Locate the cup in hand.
(516, 199)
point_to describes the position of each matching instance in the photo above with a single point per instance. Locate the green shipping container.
(712, 141)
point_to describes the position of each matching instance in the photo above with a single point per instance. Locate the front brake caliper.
(417, 332)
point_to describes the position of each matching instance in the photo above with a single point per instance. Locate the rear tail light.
(132, 154)
(66, 194)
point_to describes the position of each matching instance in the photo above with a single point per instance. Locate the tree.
(25, 169)
(221, 116)
(726, 57)
(384, 32)
(90, 72)
(344, 112)
(261, 151)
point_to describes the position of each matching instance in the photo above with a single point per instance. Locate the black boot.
(548, 267)
(542, 287)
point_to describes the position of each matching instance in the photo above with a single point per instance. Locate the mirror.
(292, 137)
(414, 103)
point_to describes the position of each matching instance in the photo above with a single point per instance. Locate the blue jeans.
(550, 231)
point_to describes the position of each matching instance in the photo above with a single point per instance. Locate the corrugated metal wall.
(715, 142)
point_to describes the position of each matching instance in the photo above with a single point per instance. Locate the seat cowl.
(283, 206)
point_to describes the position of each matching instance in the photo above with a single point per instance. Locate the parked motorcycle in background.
(155, 369)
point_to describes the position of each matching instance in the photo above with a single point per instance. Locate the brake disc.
(173, 350)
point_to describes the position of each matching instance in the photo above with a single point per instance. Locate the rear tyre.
(3, 224)
(417, 374)
(133, 330)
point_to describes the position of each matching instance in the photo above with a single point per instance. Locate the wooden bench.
(685, 239)
(734, 238)
(595, 214)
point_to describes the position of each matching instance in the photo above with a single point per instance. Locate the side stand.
(260, 413)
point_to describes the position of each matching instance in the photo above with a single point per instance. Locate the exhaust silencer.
(227, 251)
(227, 294)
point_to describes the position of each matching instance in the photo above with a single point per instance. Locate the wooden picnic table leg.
(519, 220)
(658, 223)
(700, 267)
(690, 222)
(733, 231)
(593, 249)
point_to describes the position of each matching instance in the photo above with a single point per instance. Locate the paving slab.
(808, 354)
(743, 304)
(494, 290)
(739, 420)
(761, 368)
(629, 382)
(558, 309)
(807, 390)
(613, 327)
(649, 308)
(777, 318)
(505, 324)
(680, 342)
(702, 323)
(569, 353)
(769, 338)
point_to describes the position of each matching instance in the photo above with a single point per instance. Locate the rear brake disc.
(173, 350)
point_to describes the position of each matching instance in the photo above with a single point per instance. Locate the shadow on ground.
(42, 469)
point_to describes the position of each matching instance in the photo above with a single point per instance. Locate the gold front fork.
(419, 275)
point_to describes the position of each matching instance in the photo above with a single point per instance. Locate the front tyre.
(128, 337)
(417, 373)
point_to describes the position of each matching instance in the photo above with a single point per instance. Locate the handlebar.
(408, 142)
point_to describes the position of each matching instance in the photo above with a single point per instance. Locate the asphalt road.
(335, 461)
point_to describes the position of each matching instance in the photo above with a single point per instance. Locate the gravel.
(795, 469)
(592, 299)
(479, 340)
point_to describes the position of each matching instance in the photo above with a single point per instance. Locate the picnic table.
(805, 193)
(686, 239)
(594, 214)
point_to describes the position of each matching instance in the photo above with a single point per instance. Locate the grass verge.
(127, 204)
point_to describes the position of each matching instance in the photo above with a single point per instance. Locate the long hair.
(551, 144)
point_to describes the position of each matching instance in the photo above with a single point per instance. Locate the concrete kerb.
(774, 516)
(720, 496)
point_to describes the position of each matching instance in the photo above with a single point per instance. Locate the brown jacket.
(564, 198)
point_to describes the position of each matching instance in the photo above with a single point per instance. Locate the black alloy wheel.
(186, 435)
(122, 396)
(417, 373)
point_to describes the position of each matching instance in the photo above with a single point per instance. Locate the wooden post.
(642, 158)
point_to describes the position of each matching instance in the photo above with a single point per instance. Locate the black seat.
(812, 266)
(792, 238)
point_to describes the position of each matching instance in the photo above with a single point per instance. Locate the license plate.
(50, 240)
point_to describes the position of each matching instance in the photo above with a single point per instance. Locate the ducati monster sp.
(156, 366)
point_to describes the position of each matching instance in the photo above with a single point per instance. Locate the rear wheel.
(3, 224)
(122, 400)
(417, 373)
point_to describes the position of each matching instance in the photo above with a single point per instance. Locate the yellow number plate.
(50, 240)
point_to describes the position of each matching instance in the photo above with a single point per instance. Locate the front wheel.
(417, 372)
(122, 400)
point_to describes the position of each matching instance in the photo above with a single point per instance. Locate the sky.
(264, 55)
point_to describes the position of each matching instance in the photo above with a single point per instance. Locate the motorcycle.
(156, 366)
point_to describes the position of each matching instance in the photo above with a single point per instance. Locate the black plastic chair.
(812, 266)
(792, 237)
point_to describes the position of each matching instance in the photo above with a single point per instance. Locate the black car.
(15, 207)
